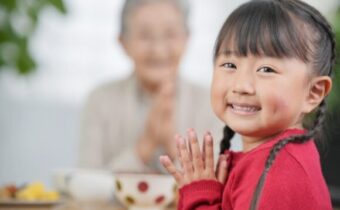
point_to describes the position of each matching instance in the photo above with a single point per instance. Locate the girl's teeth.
(245, 108)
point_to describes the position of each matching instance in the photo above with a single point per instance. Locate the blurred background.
(54, 52)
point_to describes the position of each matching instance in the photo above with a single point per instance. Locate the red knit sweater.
(294, 182)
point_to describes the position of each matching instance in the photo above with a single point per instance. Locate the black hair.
(280, 29)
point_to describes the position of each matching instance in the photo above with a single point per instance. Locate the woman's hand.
(159, 126)
(161, 121)
(196, 164)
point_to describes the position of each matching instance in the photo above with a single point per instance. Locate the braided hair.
(280, 28)
(228, 134)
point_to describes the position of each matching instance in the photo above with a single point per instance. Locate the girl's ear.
(319, 89)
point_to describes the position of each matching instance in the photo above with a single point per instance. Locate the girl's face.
(259, 97)
(155, 40)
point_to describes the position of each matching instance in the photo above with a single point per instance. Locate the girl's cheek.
(217, 99)
(278, 105)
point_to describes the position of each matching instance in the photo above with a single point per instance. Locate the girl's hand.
(196, 164)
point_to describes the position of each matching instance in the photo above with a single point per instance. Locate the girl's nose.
(244, 84)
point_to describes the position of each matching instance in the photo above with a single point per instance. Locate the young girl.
(272, 66)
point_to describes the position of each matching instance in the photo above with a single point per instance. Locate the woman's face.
(155, 40)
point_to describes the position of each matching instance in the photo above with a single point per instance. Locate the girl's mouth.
(244, 109)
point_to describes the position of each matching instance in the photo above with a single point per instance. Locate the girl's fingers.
(189, 148)
(185, 159)
(171, 168)
(195, 152)
(203, 152)
(209, 153)
(222, 171)
(178, 150)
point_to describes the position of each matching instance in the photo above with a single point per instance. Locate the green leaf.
(8, 5)
(2, 62)
(25, 63)
(59, 5)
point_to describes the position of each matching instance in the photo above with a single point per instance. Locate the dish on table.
(15, 202)
(32, 194)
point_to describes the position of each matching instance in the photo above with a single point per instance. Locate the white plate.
(13, 202)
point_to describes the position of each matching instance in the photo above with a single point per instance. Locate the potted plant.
(18, 21)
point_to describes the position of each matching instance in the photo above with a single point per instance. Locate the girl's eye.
(266, 69)
(229, 65)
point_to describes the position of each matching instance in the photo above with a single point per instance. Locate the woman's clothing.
(294, 181)
(114, 119)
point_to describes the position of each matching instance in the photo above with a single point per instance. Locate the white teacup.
(85, 184)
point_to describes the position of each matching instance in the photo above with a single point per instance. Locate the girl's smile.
(243, 109)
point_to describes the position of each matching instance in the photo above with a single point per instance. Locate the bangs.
(263, 28)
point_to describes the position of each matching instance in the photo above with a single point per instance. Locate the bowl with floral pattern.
(139, 191)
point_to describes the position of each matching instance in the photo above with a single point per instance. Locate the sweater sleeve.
(201, 195)
(92, 133)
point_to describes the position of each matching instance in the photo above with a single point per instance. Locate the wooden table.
(68, 206)
(61, 207)
(74, 207)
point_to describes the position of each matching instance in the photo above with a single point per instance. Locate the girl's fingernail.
(163, 158)
(208, 139)
(181, 140)
(192, 134)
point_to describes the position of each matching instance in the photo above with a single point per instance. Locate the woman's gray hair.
(130, 5)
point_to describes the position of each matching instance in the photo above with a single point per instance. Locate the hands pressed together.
(160, 124)
(196, 164)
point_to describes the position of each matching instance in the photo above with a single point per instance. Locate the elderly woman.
(129, 123)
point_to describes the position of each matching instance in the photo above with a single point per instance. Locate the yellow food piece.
(49, 196)
(25, 195)
(36, 191)
(36, 188)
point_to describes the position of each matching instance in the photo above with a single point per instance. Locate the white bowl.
(144, 191)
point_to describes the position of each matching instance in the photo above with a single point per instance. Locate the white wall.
(39, 114)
